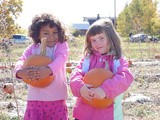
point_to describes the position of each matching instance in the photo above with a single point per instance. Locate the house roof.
(81, 26)
(91, 20)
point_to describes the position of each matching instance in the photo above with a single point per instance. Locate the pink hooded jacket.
(113, 87)
(57, 90)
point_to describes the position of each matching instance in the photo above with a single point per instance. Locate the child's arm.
(120, 82)
(61, 56)
(34, 72)
(76, 79)
(19, 64)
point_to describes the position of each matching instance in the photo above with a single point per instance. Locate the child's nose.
(52, 36)
(98, 42)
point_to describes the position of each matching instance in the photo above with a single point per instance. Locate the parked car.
(139, 38)
(20, 39)
(154, 39)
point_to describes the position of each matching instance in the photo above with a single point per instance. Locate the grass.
(140, 50)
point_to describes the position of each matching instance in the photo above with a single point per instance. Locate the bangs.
(95, 30)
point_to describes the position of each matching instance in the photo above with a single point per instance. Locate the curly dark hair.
(42, 20)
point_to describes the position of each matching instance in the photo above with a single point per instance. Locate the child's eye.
(45, 33)
(93, 41)
(101, 38)
(55, 33)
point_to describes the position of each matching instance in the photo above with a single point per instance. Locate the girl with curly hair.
(46, 103)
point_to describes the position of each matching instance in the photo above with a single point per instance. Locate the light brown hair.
(104, 26)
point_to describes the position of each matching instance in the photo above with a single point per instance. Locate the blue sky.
(69, 11)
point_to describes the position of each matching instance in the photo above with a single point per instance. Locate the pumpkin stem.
(43, 46)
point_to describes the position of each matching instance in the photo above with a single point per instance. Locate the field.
(141, 101)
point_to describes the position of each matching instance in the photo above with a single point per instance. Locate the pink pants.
(40, 110)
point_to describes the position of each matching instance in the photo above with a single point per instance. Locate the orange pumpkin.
(8, 88)
(39, 60)
(157, 56)
(68, 64)
(69, 70)
(129, 63)
(96, 77)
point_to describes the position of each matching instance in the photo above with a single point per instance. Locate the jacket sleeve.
(120, 82)
(61, 56)
(76, 79)
(19, 64)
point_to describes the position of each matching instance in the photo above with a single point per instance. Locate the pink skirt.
(40, 110)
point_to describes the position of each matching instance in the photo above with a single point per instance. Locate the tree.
(9, 11)
(156, 25)
(149, 14)
(138, 16)
(124, 17)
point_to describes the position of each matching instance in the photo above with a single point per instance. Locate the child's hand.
(42, 72)
(86, 92)
(99, 93)
(38, 72)
(34, 72)
(23, 73)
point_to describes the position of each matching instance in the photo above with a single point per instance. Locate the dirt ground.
(141, 101)
(146, 83)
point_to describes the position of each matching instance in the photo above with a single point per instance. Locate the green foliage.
(124, 18)
(4, 116)
(139, 50)
(139, 16)
(75, 32)
(9, 11)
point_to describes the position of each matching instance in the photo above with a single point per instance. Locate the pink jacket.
(113, 87)
(57, 90)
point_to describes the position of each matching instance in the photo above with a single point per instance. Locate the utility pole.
(115, 13)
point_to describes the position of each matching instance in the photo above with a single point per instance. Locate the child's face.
(51, 35)
(100, 43)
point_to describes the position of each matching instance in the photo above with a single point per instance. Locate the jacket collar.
(112, 53)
